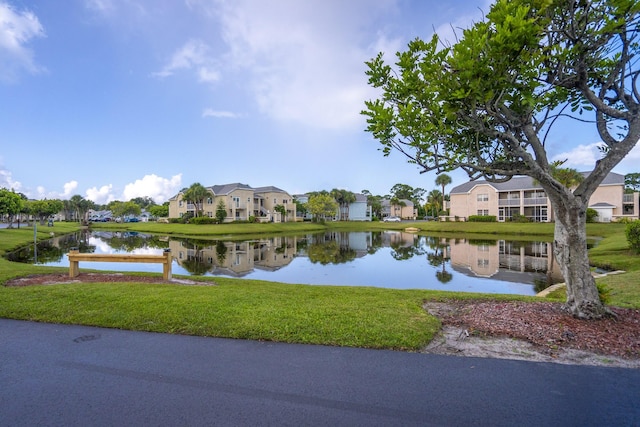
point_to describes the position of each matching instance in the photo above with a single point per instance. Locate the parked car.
(134, 219)
(391, 219)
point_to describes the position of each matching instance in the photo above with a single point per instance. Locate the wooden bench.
(165, 259)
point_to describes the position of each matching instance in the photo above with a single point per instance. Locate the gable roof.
(269, 189)
(526, 183)
(228, 188)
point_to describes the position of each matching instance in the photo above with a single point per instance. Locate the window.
(483, 212)
(209, 200)
(484, 197)
(180, 203)
(236, 201)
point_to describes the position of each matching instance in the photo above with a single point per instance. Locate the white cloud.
(7, 181)
(158, 188)
(305, 59)
(219, 114)
(17, 28)
(193, 55)
(582, 157)
(69, 189)
(102, 195)
(101, 6)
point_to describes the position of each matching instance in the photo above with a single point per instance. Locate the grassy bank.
(248, 309)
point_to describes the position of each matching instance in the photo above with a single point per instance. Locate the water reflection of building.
(506, 260)
(398, 239)
(233, 258)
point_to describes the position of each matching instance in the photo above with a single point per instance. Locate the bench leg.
(166, 266)
(73, 268)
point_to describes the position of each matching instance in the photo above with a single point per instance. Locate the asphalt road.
(56, 375)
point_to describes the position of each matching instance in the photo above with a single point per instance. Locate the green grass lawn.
(248, 309)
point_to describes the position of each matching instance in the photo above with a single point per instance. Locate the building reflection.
(233, 258)
(505, 260)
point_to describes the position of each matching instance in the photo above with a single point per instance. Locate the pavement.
(65, 375)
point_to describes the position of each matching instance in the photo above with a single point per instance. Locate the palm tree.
(435, 202)
(443, 180)
(196, 195)
(344, 199)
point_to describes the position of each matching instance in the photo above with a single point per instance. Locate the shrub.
(592, 214)
(518, 218)
(633, 235)
(482, 218)
(203, 220)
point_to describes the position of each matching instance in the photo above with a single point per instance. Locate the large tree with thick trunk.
(489, 103)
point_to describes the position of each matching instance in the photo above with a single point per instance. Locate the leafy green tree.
(43, 209)
(144, 202)
(196, 194)
(375, 202)
(221, 212)
(282, 211)
(301, 208)
(10, 204)
(632, 181)
(122, 209)
(160, 211)
(487, 103)
(405, 191)
(322, 205)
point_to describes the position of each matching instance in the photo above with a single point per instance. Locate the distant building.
(358, 210)
(405, 209)
(522, 196)
(241, 202)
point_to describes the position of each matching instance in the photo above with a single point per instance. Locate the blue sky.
(115, 99)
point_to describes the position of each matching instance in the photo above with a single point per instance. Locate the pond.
(388, 259)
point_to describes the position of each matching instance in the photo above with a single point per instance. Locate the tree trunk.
(570, 250)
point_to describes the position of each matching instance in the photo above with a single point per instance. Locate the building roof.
(269, 189)
(602, 205)
(526, 183)
(228, 188)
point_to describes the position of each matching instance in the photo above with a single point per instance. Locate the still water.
(388, 259)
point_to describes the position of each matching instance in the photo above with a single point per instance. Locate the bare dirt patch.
(56, 279)
(535, 331)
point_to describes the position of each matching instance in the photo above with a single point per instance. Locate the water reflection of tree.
(376, 242)
(331, 248)
(194, 263)
(126, 242)
(221, 251)
(439, 258)
(403, 252)
(53, 250)
(330, 253)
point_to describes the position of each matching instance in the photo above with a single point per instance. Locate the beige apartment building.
(521, 196)
(241, 202)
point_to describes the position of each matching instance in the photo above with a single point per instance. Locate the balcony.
(536, 201)
(508, 202)
(627, 198)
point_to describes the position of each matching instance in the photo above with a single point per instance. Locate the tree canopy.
(488, 104)
(10, 204)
